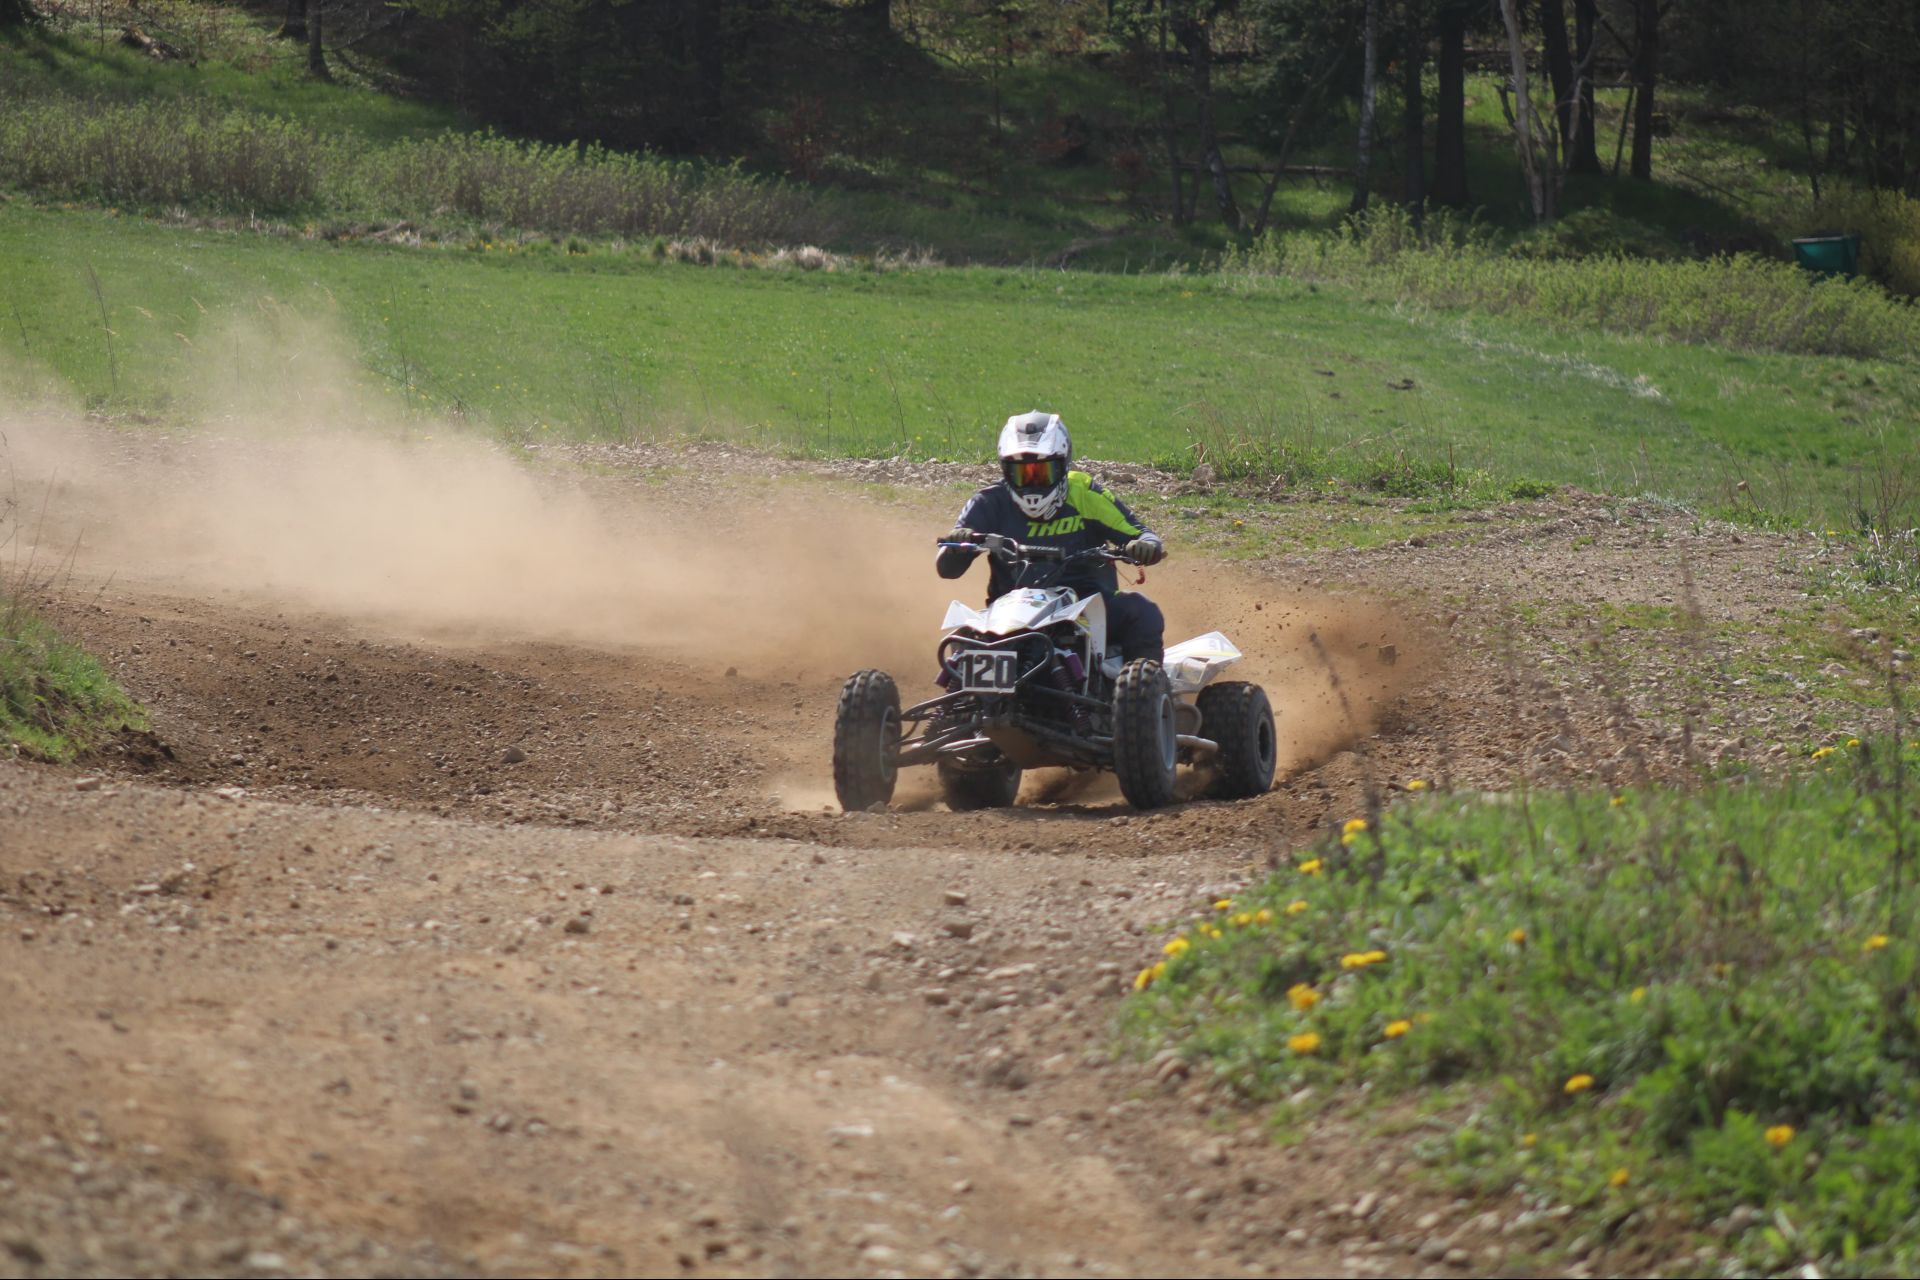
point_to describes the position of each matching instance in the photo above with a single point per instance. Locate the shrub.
(1714, 990)
(1743, 301)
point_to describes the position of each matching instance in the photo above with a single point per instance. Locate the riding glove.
(1147, 549)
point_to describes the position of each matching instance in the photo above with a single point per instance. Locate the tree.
(1413, 117)
(1450, 110)
(1363, 147)
(1572, 99)
(16, 13)
(316, 59)
(294, 25)
(1192, 26)
(1646, 72)
(1536, 161)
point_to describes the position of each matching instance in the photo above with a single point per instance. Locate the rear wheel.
(1237, 715)
(969, 789)
(866, 741)
(1145, 743)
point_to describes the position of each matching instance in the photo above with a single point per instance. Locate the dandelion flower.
(1397, 1028)
(1295, 907)
(1578, 1083)
(1779, 1136)
(1619, 1177)
(1416, 784)
(1263, 916)
(1529, 1139)
(1224, 904)
(1637, 994)
(1302, 997)
(1311, 867)
(1177, 946)
(1211, 930)
(1853, 742)
(1362, 959)
(1617, 801)
(1518, 937)
(1353, 826)
(1875, 943)
(1822, 753)
(1143, 979)
(1242, 920)
(1349, 838)
(1305, 1042)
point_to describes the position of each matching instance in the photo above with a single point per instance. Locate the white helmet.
(1035, 452)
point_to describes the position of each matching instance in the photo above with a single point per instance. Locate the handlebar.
(1005, 549)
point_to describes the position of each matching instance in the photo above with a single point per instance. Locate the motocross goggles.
(1034, 473)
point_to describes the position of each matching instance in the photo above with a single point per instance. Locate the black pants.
(1136, 624)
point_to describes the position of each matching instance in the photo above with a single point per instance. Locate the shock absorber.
(1069, 675)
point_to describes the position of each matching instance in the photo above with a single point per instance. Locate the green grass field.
(532, 340)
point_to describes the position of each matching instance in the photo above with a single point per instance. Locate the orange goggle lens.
(1036, 474)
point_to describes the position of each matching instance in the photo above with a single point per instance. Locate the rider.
(1039, 500)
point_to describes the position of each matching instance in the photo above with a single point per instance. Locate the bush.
(1888, 224)
(1743, 301)
(1715, 992)
(196, 157)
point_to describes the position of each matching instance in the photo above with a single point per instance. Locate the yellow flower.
(1518, 937)
(1853, 742)
(1349, 838)
(1619, 1177)
(1225, 904)
(1302, 997)
(1211, 930)
(1637, 994)
(1362, 959)
(1177, 946)
(1295, 907)
(1263, 916)
(1353, 826)
(1528, 1139)
(1416, 784)
(1579, 1083)
(1143, 979)
(1617, 801)
(1875, 943)
(1311, 867)
(1305, 1042)
(1398, 1028)
(1779, 1136)
(1242, 919)
(1822, 753)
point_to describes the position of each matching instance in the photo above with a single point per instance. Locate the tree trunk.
(1646, 69)
(1537, 184)
(1450, 110)
(294, 25)
(1559, 55)
(1197, 40)
(316, 59)
(1363, 151)
(1413, 65)
(1586, 151)
(709, 59)
(1170, 126)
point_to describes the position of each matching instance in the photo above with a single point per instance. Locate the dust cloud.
(296, 493)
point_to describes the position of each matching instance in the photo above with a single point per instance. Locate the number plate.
(986, 670)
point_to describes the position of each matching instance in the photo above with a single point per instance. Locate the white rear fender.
(1193, 664)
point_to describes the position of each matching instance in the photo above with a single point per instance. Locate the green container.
(1828, 255)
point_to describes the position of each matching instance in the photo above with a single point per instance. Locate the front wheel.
(1238, 716)
(969, 789)
(866, 741)
(1145, 743)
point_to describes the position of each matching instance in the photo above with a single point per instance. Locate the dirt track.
(316, 980)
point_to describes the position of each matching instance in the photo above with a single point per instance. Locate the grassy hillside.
(1315, 381)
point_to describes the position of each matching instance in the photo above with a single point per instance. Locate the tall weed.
(1744, 301)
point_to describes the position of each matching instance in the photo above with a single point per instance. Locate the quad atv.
(1029, 682)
